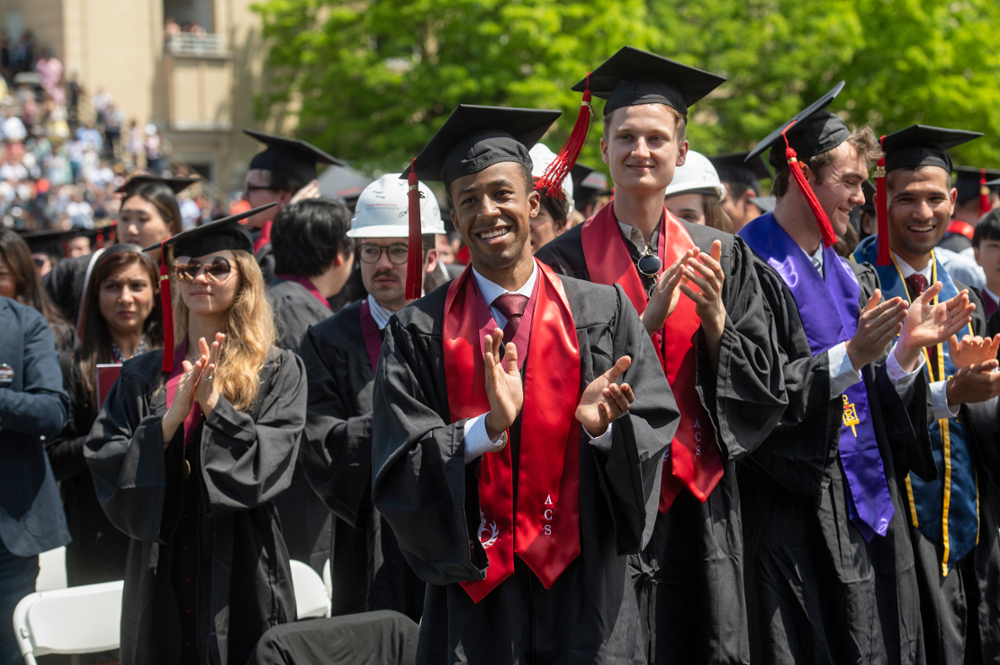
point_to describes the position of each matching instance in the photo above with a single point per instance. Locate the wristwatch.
(500, 445)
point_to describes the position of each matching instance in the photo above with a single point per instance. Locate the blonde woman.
(188, 454)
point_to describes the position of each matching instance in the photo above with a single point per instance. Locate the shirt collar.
(379, 313)
(634, 236)
(908, 270)
(816, 256)
(491, 291)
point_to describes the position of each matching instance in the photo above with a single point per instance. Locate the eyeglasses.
(369, 253)
(254, 188)
(215, 271)
(39, 263)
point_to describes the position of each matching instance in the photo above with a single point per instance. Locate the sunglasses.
(649, 266)
(217, 270)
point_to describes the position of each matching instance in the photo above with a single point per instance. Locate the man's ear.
(430, 260)
(534, 204)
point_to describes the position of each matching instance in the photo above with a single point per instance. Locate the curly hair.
(861, 139)
(250, 334)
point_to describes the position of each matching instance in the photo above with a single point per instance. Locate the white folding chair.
(328, 578)
(83, 619)
(52, 570)
(311, 600)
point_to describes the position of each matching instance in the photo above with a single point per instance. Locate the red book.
(106, 377)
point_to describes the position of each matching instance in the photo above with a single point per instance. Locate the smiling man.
(714, 341)
(821, 494)
(519, 543)
(952, 510)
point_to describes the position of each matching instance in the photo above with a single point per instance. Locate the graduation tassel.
(984, 194)
(882, 212)
(167, 305)
(550, 184)
(414, 258)
(795, 166)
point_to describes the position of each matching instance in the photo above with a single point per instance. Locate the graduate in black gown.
(340, 354)
(188, 454)
(515, 502)
(283, 173)
(820, 496)
(148, 215)
(977, 194)
(954, 510)
(717, 348)
(313, 258)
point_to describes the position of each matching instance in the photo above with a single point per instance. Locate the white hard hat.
(697, 175)
(541, 157)
(383, 210)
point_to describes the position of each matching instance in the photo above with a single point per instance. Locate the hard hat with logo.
(382, 210)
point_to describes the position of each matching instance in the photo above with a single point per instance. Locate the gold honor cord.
(945, 434)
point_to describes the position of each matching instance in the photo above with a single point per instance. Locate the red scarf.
(545, 531)
(694, 460)
(265, 236)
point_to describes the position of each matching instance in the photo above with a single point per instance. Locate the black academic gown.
(816, 591)
(689, 579)
(305, 522)
(217, 530)
(429, 496)
(368, 570)
(265, 259)
(64, 284)
(961, 612)
(956, 242)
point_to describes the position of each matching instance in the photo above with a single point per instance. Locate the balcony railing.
(193, 45)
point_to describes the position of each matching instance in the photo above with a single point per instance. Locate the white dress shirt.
(477, 441)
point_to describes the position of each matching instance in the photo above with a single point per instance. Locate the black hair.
(739, 180)
(987, 228)
(308, 235)
(558, 209)
(163, 199)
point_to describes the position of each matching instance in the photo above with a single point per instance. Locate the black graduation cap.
(740, 168)
(178, 184)
(477, 137)
(811, 132)
(293, 157)
(968, 179)
(921, 145)
(631, 77)
(868, 187)
(215, 236)
(764, 203)
(579, 173)
(52, 241)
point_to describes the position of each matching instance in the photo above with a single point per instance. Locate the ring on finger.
(210, 376)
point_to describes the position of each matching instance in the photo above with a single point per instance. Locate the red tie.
(512, 306)
(916, 284)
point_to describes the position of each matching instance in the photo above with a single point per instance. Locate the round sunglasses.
(217, 270)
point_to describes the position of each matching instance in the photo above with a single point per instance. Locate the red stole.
(962, 228)
(373, 340)
(264, 237)
(545, 530)
(191, 421)
(694, 460)
(309, 286)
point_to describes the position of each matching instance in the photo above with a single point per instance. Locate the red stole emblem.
(694, 460)
(545, 530)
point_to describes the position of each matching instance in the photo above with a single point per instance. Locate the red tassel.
(167, 305)
(414, 259)
(884, 257)
(984, 194)
(550, 184)
(825, 229)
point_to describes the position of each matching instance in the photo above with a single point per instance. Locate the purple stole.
(828, 307)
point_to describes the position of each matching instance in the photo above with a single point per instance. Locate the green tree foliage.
(374, 79)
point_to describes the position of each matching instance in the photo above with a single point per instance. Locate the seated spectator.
(121, 320)
(19, 281)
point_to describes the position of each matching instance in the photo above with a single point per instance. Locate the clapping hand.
(927, 324)
(878, 325)
(197, 383)
(503, 385)
(663, 299)
(604, 400)
(972, 350)
(205, 391)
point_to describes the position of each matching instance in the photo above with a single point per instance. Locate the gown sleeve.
(747, 395)
(337, 447)
(420, 483)
(247, 460)
(138, 483)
